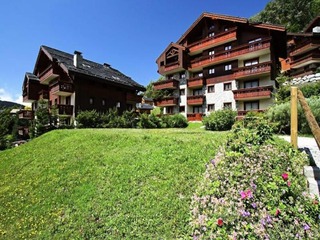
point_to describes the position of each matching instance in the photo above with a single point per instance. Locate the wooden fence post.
(313, 124)
(294, 117)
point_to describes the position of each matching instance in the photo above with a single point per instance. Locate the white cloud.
(7, 96)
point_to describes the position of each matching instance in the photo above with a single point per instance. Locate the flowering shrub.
(259, 194)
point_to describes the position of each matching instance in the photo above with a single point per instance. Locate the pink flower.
(285, 176)
(243, 195)
(246, 194)
(220, 222)
(289, 183)
(278, 212)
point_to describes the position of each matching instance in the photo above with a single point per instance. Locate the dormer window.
(210, 35)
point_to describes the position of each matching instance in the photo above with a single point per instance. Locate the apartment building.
(69, 83)
(221, 62)
(303, 51)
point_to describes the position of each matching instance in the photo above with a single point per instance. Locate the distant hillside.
(7, 104)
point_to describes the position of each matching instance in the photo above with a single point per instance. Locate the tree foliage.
(295, 15)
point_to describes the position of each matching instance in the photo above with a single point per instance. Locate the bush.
(145, 122)
(220, 120)
(280, 115)
(258, 193)
(88, 119)
(179, 121)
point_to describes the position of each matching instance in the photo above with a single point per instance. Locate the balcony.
(313, 57)
(64, 110)
(218, 39)
(241, 52)
(132, 97)
(44, 94)
(195, 116)
(220, 79)
(305, 47)
(166, 102)
(195, 82)
(26, 114)
(253, 93)
(253, 71)
(62, 88)
(195, 100)
(166, 84)
(171, 68)
(47, 75)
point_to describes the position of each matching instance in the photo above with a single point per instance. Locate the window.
(254, 105)
(197, 109)
(182, 75)
(200, 74)
(211, 53)
(91, 101)
(251, 84)
(182, 92)
(211, 89)
(227, 67)
(251, 62)
(226, 48)
(162, 63)
(103, 102)
(227, 105)
(211, 71)
(182, 109)
(211, 35)
(210, 107)
(197, 92)
(227, 86)
(226, 29)
(68, 100)
(170, 110)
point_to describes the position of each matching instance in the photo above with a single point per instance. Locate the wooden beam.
(294, 117)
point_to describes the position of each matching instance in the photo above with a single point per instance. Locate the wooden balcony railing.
(253, 93)
(231, 54)
(195, 116)
(305, 46)
(305, 60)
(220, 79)
(195, 82)
(195, 100)
(47, 75)
(62, 88)
(63, 109)
(257, 69)
(44, 94)
(26, 114)
(165, 102)
(166, 84)
(218, 39)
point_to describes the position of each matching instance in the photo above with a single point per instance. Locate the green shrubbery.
(254, 189)
(279, 114)
(129, 119)
(220, 120)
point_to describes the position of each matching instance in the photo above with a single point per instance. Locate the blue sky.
(128, 34)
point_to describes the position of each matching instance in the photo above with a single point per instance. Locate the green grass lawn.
(103, 184)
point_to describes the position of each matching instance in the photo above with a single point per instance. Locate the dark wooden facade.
(219, 49)
(303, 51)
(71, 84)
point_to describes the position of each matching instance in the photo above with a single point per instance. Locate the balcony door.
(251, 84)
(249, 106)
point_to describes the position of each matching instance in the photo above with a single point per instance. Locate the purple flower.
(306, 227)
(245, 213)
(269, 220)
(263, 222)
(212, 161)
(254, 205)
(254, 187)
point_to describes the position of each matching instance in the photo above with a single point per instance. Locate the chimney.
(77, 58)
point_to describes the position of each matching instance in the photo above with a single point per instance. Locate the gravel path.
(309, 145)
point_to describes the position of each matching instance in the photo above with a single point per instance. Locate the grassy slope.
(102, 183)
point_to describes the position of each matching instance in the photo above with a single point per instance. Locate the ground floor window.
(182, 109)
(254, 105)
(169, 110)
(227, 105)
(210, 107)
(197, 109)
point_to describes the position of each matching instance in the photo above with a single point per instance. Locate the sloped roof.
(312, 24)
(31, 76)
(89, 68)
(231, 19)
